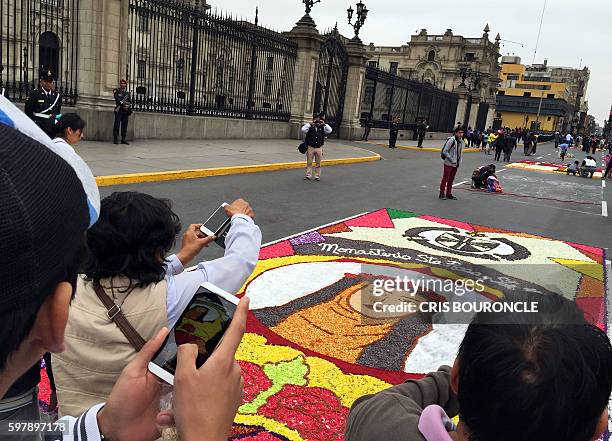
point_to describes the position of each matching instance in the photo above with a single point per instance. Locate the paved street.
(554, 205)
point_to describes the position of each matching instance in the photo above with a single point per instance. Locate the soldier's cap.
(48, 198)
(46, 75)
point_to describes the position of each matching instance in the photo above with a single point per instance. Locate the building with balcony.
(531, 98)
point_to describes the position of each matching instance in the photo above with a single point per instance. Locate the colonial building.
(438, 59)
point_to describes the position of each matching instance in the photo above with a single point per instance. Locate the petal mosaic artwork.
(308, 353)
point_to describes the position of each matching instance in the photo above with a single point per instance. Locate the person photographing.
(316, 131)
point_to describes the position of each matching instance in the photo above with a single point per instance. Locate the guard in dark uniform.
(45, 103)
(123, 110)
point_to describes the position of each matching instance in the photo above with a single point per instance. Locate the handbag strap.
(113, 312)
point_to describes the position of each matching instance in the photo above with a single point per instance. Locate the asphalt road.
(553, 205)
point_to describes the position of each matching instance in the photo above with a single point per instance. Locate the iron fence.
(386, 96)
(37, 35)
(184, 59)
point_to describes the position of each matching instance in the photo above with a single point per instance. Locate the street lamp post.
(362, 14)
(309, 4)
(473, 83)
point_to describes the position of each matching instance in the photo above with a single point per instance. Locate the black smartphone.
(203, 323)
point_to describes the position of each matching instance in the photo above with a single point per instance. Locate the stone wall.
(163, 126)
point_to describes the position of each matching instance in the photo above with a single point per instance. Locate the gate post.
(350, 127)
(308, 39)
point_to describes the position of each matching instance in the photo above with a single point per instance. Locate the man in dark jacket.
(316, 131)
(393, 132)
(123, 110)
(509, 147)
(422, 128)
(500, 145)
(367, 128)
(44, 103)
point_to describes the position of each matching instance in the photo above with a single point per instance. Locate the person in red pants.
(451, 154)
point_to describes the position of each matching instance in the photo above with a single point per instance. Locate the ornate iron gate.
(36, 35)
(185, 59)
(331, 80)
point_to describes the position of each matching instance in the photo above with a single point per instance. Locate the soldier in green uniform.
(123, 110)
(44, 103)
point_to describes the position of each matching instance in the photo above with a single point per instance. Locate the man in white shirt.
(589, 166)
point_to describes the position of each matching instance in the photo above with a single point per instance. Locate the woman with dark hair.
(69, 129)
(127, 262)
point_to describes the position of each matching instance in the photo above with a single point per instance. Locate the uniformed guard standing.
(44, 103)
(123, 110)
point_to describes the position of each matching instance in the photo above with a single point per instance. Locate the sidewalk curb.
(427, 149)
(175, 175)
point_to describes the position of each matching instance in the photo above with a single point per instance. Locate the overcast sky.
(574, 31)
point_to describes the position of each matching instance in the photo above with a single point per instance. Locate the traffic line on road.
(139, 178)
(460, 183)
(604, 209)
(603, 183)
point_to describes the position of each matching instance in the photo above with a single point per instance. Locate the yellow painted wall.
(512, 120)
(560, 90)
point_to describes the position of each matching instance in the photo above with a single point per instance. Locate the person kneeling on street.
(518, 376)
(574, 168)
(481, 174)
(126, 263)
(589, 167)
(49, 198)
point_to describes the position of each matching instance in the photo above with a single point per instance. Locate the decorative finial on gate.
(256, 15)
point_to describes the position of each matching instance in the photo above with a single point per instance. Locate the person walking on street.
(534, 143)
(510, 146)
(123, 110)
(316, 131)
(367, 128)
(608, 168)
(45, 103)
(393, 131)
(527, 144)
(451, 154)
(500, 145)
(563, 150)
(422, 128)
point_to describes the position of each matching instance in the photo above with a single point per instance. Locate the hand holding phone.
(206, 399)
(193, 242)
(216, 222)
(203, 323)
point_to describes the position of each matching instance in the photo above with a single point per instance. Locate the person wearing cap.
(48, 199)
(315, 132)
(44, 103)
(123, 110)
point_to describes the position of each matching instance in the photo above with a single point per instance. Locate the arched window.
(180, 71)
(49, 53)
(431, 56)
